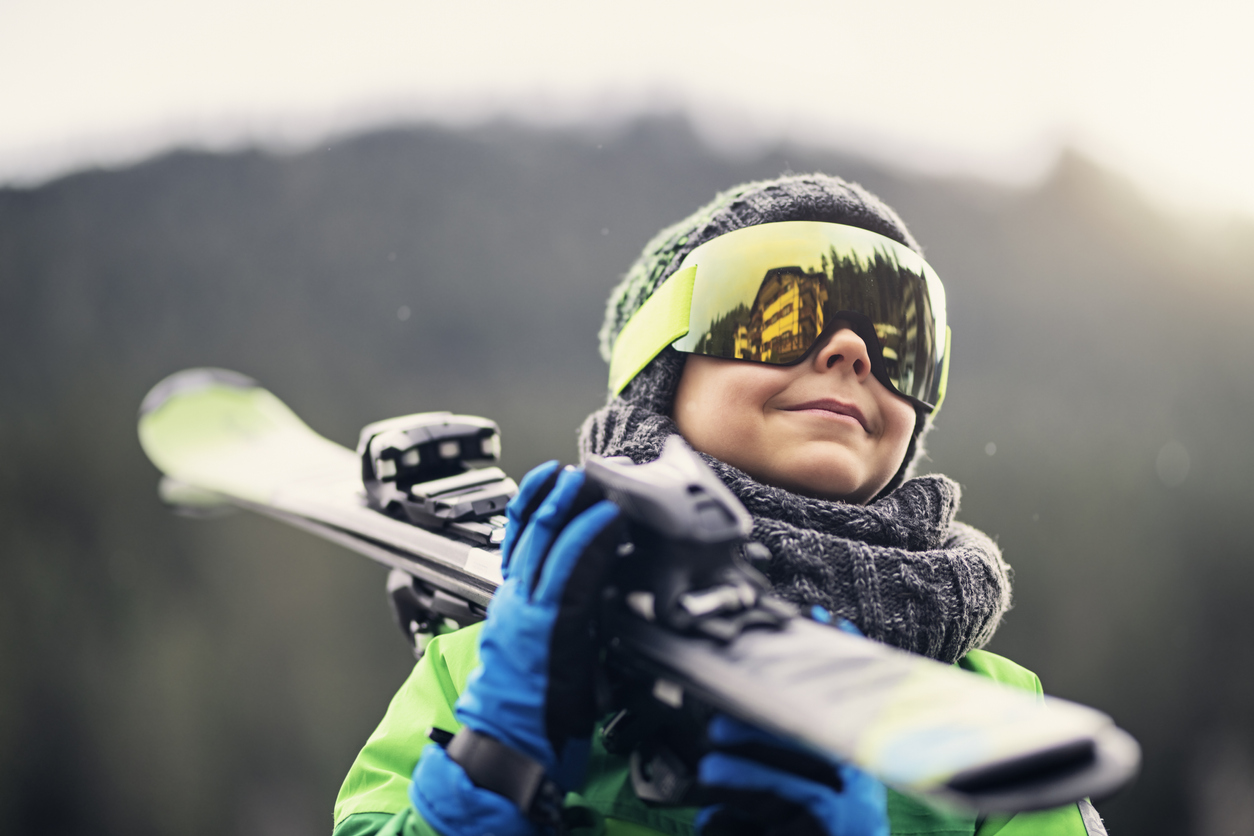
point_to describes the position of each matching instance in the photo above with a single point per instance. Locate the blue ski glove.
(532, 490)
(529, 710)
(768, 786)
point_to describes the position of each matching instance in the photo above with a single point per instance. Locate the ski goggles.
(771, 293)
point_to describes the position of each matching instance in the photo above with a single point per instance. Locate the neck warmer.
(900, 568)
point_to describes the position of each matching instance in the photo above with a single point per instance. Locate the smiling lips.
(833, 407)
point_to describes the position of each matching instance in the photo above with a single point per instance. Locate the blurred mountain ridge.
(219, 677)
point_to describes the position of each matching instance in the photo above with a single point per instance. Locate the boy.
(792, 334)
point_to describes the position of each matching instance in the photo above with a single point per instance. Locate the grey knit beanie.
(803, 197)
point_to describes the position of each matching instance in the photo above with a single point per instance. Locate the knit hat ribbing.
(806, 197)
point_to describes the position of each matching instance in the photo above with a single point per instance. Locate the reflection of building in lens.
(743, 345)
(786, 316)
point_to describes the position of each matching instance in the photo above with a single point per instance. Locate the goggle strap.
(661, 320)
(944, 378)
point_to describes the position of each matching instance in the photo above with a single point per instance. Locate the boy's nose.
(844, 348)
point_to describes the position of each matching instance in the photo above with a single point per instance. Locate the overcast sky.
(1161, 92)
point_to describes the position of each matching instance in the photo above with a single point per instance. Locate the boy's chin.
(826, 477)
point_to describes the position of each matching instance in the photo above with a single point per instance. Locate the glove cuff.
(447, 799)
(507, 772)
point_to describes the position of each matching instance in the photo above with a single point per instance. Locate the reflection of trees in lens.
(894, 298)
(727, 335)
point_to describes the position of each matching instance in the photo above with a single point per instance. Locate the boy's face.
(824, 427)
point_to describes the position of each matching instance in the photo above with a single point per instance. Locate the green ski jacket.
(374, 798)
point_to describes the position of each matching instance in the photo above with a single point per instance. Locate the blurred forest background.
(167, 676)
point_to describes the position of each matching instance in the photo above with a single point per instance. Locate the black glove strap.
(507, 772)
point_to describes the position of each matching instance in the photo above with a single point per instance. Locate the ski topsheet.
(922, 727)
(219, 437)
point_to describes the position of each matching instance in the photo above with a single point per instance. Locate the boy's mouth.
(832, 406)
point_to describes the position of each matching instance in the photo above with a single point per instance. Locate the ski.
(688, 624)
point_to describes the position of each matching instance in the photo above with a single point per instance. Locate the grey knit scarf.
(901, 568)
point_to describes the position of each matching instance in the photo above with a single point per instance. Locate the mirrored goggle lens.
(767, 293)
